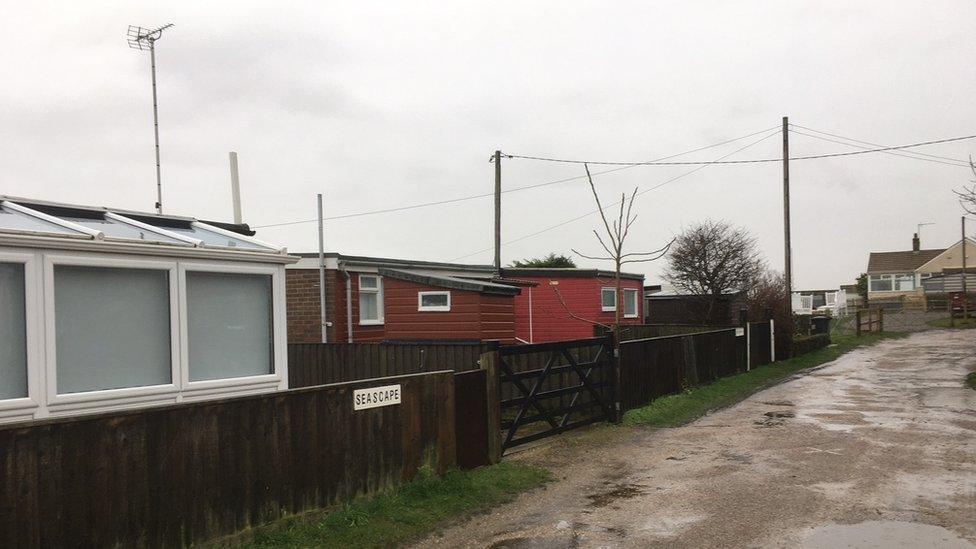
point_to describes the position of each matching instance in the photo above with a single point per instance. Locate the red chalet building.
(373, 299)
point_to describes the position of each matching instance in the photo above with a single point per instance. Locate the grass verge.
(406, 512)
(958, 324)
(682, 408)
(971, 380)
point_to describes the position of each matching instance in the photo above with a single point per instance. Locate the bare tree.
(613, 245)
(713, 258)
(967, 196)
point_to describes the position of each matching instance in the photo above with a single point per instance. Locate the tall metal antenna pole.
(788, 270)
(159, 178)
(145, 39)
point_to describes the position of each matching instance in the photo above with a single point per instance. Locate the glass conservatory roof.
(34, 218)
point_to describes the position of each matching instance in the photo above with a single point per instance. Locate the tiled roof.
(907, 261)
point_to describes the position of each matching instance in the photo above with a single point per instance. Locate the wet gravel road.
(876, 449)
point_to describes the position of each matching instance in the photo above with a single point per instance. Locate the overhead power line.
(751, 161)
(615, 203)
(510, 190)
(894, 153)
(862, 142)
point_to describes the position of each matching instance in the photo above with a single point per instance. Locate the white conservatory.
(105, 309)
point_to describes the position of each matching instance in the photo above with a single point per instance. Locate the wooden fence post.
(880, 320)
(490, 364)
(857, 322)
(614, 346)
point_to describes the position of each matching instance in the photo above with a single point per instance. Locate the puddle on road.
(884, 534)
(775, 418)
(620, 491)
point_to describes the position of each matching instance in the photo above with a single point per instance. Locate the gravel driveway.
(876, 449)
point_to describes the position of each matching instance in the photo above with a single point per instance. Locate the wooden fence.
(869, 320)
(645, 331)
(760, 348)
(311, 364)
(184, 474)
(658, 366)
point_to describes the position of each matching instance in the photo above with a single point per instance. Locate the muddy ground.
(877, 449)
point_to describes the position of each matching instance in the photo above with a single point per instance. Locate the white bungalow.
(105, 309)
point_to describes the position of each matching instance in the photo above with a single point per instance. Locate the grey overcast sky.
(382, 104)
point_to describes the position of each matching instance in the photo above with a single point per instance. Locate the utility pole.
(788, 271)
(322, 304)
(965, 297)
(498, 212)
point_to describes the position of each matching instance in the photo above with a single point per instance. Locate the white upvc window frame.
(880, 278)
(25, 407)
(108, 398)
(195, 390)
(603, 307)
(378, 290)
(433, 308)
(634, 292)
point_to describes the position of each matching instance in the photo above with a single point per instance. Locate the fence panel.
(311, 364)
(760, 351)
(654, 367)
(185, 474)
(630, 332)
(471, 418)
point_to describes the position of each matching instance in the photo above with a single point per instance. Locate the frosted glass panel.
(211, 238)
(13, 332)
(112, 328)
(117, 229)
(229, 325)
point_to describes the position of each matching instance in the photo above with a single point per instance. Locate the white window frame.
(15, 409)
(634, 292)
(879, 278)
(380, 318)
(108, 397)
(603, 307)
(433, 308)
(195, 390)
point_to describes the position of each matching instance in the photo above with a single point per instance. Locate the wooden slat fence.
(760, 352)
(184, 474)
(644, 331)
(653, 367)
(311, 364)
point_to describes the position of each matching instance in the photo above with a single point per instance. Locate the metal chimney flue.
(235, 188)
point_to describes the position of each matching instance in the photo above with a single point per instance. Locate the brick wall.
(302, 298)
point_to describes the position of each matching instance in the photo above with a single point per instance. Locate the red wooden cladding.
(184, 474)
(551, 321)
(473, 316)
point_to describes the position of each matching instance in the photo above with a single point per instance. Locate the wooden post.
(744, 321)
(498, 212)
(614, 348)
(788, 267)
(490, 364)
(880, 320)
(857, 322)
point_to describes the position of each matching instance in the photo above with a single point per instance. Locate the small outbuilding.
(108, 309)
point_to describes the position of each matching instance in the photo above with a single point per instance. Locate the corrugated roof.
(452, 282)
(906, 261)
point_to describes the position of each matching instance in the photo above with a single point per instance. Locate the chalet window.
(434, 301)
(904, 282)
(806, 302)
(229, 325)
(880, 283)
(13, 331)
(370, 299)
(608, 299)
(831, 298)
(112, 328)
(630, 303)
